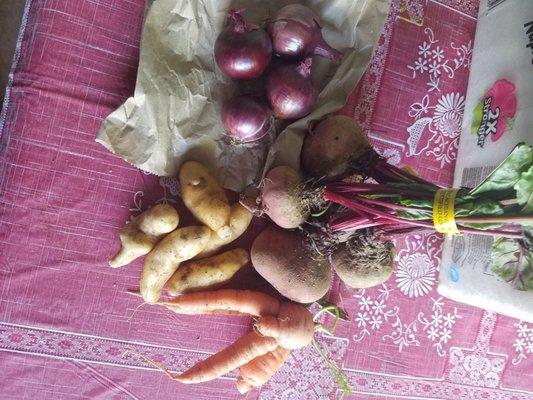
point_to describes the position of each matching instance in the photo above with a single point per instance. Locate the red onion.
(290, 90)
(295, 32)
(245, 118)
(242, 50)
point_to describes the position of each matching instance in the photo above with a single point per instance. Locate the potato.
(207, 273)
(285, 260)
(158, 220)
(239, 221)
(204, 197)
(363, 262)
(178, 246)
(140, 235)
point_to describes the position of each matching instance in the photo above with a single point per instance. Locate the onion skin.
(331, 145)
(290, 90)
(295, 32)
(245, 118)
(242, 51)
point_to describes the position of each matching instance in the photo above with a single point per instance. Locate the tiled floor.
(10, 18)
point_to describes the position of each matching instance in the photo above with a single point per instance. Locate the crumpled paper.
(174, 114)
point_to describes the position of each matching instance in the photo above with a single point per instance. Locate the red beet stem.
(354, 205)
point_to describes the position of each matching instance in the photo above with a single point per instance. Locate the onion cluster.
(243, 51)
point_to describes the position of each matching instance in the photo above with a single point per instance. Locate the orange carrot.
(240, 352)
(260, 353)
(225, 312)
(293, 327)
(258, 371)
(243, 301)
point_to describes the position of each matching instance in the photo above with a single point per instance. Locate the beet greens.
(394, 202)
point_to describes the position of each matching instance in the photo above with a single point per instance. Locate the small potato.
(158, 220)
(140, 236)
(204, 197)
(239, 221)
(207, 273)
(178, 246)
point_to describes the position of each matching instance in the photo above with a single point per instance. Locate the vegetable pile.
(279, 327)
(341, 212)
(181, 259)
(156, 234)
(366, 203)
(243, 51)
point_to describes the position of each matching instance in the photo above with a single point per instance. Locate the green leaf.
(513, 262)
(415, 215)
(507, 174)
(419, 203)
(524, 190)
(481, 207)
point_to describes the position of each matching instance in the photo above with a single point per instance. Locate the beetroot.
(332, 145)
(282, 197)
(364, 260)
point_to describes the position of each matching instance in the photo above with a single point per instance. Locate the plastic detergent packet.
(498, 115)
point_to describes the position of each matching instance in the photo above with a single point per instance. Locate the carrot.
(292, 327)
(258, 371)
(240, 352)
(260, 353)
(243, 301)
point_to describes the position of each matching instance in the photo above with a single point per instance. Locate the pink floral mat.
(66, 322)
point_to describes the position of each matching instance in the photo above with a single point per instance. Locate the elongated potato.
(140, 236)
(239, 221)
(178, 246)
(208, 273)
(204, 197)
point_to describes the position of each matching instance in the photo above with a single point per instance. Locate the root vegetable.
(158, 220)
(239, 221)
(178, 246)
(290, 91)
(242, 50)
(364, 261)
(332, 145)
(289, 264)
(292, 327)
(244, 350)
(204, 197)
(242, 301)
(245, 118)
(207, 273)
(260, 353)
(258, 371)
(295, 32)
(140, 235)
(282, 197)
